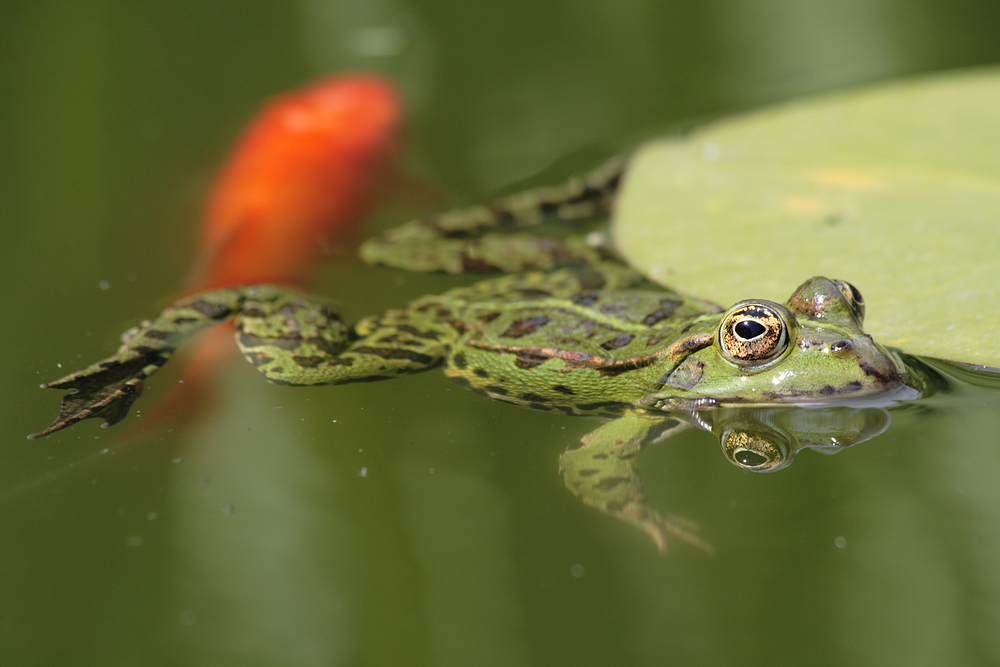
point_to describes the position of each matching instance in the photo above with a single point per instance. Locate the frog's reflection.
(602, 467)
(767, 439)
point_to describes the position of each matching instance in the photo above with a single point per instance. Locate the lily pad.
(894, 188)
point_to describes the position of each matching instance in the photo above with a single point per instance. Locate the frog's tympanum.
(574, 331)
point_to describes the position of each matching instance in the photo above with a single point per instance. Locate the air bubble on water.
(228, 509)
(134, 541)
(577, 570)
(840, 542)
(104, 284)
(363, 472)
(152, 516)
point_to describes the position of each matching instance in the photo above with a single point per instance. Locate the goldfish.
(303, 176)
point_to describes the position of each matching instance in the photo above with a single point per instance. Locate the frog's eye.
(754, 451)
(853, 296)
(753, 333)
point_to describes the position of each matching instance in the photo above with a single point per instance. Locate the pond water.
(412, 522)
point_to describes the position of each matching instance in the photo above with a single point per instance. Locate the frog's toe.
(105, 390)
(660, 527)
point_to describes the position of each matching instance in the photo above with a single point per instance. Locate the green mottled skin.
(592, 338)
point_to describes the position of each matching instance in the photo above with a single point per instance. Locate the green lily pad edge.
(894, 188)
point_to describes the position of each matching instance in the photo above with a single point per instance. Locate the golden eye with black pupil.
(753, 451)
(753, 333)
(853, 296)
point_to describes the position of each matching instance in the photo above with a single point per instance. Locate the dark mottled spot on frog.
(184, 320)
(503, 217)
(459, 361)
(612, 370)
(254, 312)
(871, 371)
(419, 333)
(461, 381)
(332, 348)
(481, 372)
(340, 361)
(563, 389)
(535, 398)
(286, 342)
(395, 353)
(665, 311)
(687, 374)
(549, 209)
(494, 389)
(585, 299)
(620, 341)
(534, 293)
(591, 407)
(590, 279)
(215, 311)
(486, 318)
(308, 362)
(853, 386)
(157, 334)
(587, 472)
(827, 390)
(525, 326)
(477, 265)
(609, 483)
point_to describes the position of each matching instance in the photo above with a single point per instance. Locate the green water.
(412, 522)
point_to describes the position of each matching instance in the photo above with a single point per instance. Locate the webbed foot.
(106, 389)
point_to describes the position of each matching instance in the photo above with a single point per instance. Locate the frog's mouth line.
(885, 398)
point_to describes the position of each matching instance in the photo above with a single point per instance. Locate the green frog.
(573, 330)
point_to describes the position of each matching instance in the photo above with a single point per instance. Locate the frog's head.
(810, 350)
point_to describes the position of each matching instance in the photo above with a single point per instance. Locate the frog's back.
(566, 340)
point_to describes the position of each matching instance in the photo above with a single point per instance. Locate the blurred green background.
(250, 537)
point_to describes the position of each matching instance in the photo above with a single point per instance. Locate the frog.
(569, 328)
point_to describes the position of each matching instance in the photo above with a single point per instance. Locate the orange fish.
(304, 175)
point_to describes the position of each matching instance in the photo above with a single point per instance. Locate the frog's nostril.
(840, 346)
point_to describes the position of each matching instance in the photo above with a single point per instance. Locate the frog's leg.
(107, 389)
(288, 337)
(461, 240)
(296, 342)
(601, 470)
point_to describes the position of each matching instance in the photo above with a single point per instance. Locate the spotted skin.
(592, 339)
